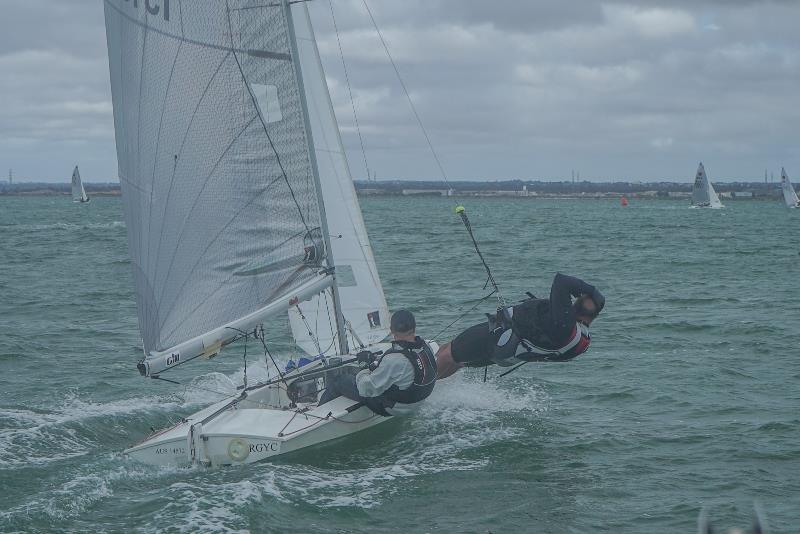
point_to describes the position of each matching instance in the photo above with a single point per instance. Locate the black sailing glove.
(366, 357)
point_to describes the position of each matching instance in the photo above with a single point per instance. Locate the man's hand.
(365, 356)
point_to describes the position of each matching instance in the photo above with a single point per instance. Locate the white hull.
(245, 435)
(263, 425)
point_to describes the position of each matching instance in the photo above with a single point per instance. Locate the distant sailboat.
(789, 194)
(78, 193)
(703, 194)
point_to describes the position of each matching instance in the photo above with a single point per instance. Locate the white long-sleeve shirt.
(393, 369)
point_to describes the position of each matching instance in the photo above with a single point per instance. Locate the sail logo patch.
(269, 446)
(173, 358)
(153, 7)
(374, 319)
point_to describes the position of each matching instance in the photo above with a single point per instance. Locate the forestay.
(362, 300)
(789, 194)
(703, 193)
(78, 192)
(219, 195)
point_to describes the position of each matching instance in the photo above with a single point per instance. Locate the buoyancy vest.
(514, 346)
(422, 359)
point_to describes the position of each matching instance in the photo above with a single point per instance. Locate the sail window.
(268, 102)
(345, 277)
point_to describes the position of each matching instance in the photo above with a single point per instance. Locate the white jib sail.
(789, 194)
(703, 194)
(78, 193)
(220, 199)
(362, 300)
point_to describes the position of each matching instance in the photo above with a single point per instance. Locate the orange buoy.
(623, 201)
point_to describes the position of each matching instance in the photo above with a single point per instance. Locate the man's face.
(403, 335)
(585, 310)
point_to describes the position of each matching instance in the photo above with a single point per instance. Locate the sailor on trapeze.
(554, 329)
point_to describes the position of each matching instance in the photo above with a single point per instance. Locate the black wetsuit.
(548, 323)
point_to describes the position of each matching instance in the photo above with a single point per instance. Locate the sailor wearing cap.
(396, 382)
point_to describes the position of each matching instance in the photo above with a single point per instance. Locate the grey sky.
(530, 89)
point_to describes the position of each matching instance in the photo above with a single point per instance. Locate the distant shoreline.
(486, 189)
(40, 189)
(51, 193)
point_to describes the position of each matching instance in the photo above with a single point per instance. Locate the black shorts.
(474, 346)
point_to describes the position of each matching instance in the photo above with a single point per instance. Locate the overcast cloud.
(529, 89)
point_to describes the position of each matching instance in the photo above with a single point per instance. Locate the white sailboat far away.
(240, 207)
(78, 193)
(703, 194)
(789, 194)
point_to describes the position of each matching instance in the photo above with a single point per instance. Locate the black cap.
(403, 321)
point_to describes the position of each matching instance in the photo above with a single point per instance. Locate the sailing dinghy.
(703, 194)
(239, 207)
(78, 193)
(789, 194)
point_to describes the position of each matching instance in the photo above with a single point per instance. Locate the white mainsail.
(361, 295)
(703, 194)
(78, 193)
(225, 221)
(227, 145)
(789, 194)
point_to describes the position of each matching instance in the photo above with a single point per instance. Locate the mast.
(340, 323)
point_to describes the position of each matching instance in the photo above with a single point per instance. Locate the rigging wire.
(244, 400)
(244, 377)
(464, 314)
(311, 335)
(510, 370)
(264, 124)
(263, 340)
(408, 96)
(462, 212)
(349, 90)
(460, 209)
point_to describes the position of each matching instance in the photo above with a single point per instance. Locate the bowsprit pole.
(462, 212)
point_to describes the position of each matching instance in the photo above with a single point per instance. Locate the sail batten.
(223, 216)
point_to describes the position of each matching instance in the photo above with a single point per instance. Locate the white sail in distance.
(220, 196)
(703, 194)
(362, 299)
(789, 194)
(78, 192)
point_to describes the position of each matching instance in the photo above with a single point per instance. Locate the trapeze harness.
(424, 363)
(511, 348)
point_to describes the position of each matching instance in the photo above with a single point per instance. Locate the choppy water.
(688, 398)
